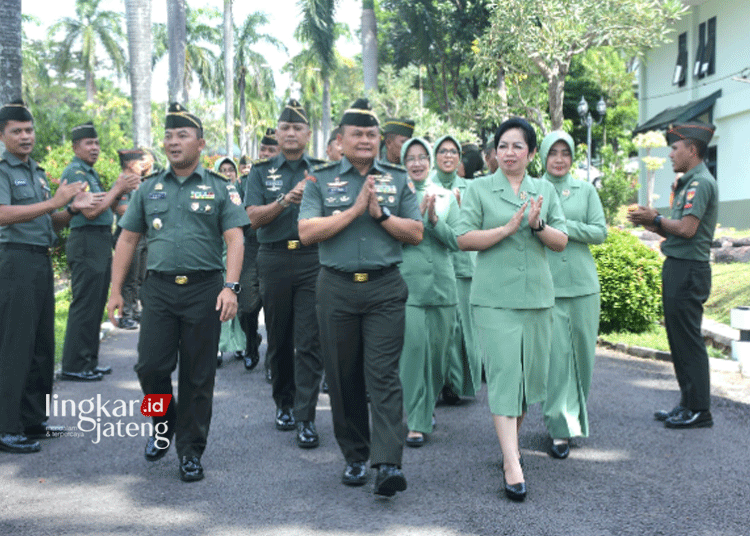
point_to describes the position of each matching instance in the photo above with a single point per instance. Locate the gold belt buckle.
(181, 279)
(292, 244)
(361, 277)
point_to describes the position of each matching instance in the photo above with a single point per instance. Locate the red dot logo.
(155, 405)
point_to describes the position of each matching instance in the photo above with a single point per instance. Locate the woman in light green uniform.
(464, 368)
(576, 312)
(431, 306)
(232, 337)
(512, 220)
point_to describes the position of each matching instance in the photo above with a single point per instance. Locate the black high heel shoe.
(515, 492)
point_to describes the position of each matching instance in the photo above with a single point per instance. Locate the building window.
(711, 163)
(682, 61)
(697, 71)
(708, 58)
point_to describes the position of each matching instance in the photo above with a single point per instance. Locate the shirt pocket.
(156, 213)
(22, 191)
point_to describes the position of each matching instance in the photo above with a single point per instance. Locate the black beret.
(178, 117)
(360, 114)
(404, 127)
(244, 160)
(129, 155)
(83, 131)
(15, 111)
(294, 113)
(695, 130)
(269, 138)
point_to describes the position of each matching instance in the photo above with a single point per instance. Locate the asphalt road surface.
(632, 476)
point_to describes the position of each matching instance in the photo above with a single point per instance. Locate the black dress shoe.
(415, 442)
(559, 450)
(191, 469)
(103, 370)
(251, 359)
(43, 431)
(389, 480)
(662, 415)
(690, 419)
(88, 376)
(18, 444)
(515, 492)
(449, 396)
(156, 449)
(284, 420)
(355, 474)
(239, 354)
(307, 435)
(128, 323)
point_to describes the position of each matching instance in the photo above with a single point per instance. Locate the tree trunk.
(243, 115)
(229, 77)
(369, 46)
(138, 15)
(325, 126)
(556, 92)
(90, 86)
(502, 92)
(177, 37)
(10, 51)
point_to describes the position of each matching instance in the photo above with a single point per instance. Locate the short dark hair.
(700, 147)
(529, 134)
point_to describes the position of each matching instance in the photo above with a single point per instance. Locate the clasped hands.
(367, 199)
(535, 209)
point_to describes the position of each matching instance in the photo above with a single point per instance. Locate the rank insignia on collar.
(159, 186)
(566, 193)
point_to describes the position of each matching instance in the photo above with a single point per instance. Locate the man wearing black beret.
(395, 132)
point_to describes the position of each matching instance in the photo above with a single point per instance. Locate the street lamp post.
(588, 121)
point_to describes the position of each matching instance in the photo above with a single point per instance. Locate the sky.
(283, 16)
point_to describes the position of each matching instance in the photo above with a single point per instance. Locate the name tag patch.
(157, 195)
(19, 182)
(333, 190)
(274, 185)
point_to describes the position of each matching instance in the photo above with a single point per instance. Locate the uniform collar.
(279, 160)
(83, 164)
(14, 161)
(500, 183)
(345, 166)
(199, 172)
(689, 175)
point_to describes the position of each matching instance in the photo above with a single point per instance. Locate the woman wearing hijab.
(232, 338)
(431, 306)
(576, 312)
(512, 220)
(464, 369)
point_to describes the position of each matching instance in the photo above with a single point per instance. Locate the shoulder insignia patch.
(391, 165)
(217, 175)
(260, 161)
(325, 165)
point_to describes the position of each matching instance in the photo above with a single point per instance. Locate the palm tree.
(138, 15)
(92, 27)
(319, 29)
(369, 46)
(10, 50)
(229, 75)
(177, 45)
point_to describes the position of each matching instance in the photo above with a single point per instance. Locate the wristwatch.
(236, 287)
(386, 214)
(541, 227)
(71, 211)
(282, 201)
(657, 220)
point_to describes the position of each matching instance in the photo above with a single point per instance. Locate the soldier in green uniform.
(576, 312)
(29, 217)
(287, 271)
(395, 132)
(686, 274)
(269, 145)
(89, 252)
(464, 369)
(361, 210)
(183, 213)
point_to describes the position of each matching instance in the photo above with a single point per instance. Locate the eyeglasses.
(413, 159)
(449, 152)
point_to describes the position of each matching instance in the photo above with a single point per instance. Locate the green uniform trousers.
(362, 335)
(27, 336)
(424, 361)
(464, 374)
(181, 320)
(89, 251)
(287, 284)
(131, 286)
(575, 326)
(249, 301)
(686, 286)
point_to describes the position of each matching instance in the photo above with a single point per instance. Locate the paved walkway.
(632, 476)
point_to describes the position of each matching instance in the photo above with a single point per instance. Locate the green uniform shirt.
(78, 170)
(463, 261)
(573, 269)
(25, 183)
(697, 194)
(514, 273)
(363, 244)
(267, 179)
(427, 267)
(184, 223)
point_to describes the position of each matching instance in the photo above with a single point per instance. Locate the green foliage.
(630, 277)
(618, 185)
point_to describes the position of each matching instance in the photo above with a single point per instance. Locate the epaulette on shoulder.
(150, 176)
(260, 161)
(317, 161)
(218, 175)
(397, 167)
(325, 165)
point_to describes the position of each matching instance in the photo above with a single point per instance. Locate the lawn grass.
(655, 338)
(62, 303)
(730, 288)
